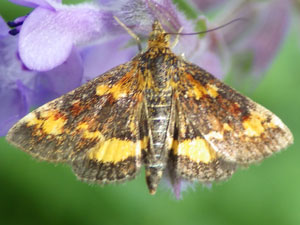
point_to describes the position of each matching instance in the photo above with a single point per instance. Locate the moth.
(156, 110)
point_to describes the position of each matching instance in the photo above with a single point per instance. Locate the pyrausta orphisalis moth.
(157, 110)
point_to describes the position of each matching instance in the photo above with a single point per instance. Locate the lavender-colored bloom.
(51, 30)
(254, 42)
(205, 5)
(99, 58)
(4, 29)
(269, 35)
(13, 93)
(35, 3)
(51, 84)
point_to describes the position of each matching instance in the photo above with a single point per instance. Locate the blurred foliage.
(33, 192)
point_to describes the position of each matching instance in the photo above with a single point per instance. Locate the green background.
(33, 192)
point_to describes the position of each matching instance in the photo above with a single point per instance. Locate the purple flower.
(49, 33)
(269, 34)
(252, 43)
(206, 5)
(13, 94)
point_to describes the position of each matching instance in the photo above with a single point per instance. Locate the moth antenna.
(213, 29)
(130, 32)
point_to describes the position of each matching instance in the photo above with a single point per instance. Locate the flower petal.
(211, 62)
(166, 13)
(99, 58)
(58, 81)
(269, 37)
(47, 37)
(35, 3)
(11, 68)
(177, 185)
(255, 43)
(205, 5)
(4, 29)
(13, 106)
(139, 15)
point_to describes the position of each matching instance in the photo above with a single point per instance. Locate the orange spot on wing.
(51, 122)
(235, 109)
(84, 128)
(197, 90)
(122, 88)
(253, 125)
(76, 108)
(212, 90)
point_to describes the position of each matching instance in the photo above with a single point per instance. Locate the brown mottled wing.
(93, 128)
(192, 157)
(234, 128)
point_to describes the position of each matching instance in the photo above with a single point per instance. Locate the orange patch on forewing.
(51, 122)
(76, 108)
(226, 127)
(117, 91)
(234, 109)
(83, 127)
(197, 90)
(120, 89)
(253, 125)
(102, 89)
(196, 149)
(212, 90)
(115, 150)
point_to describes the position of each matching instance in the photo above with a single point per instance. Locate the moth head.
(158, 37)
